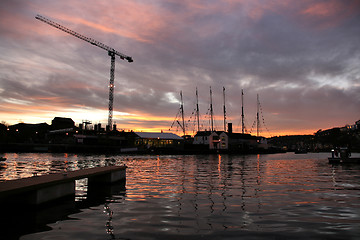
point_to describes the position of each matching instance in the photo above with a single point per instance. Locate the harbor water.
(268, 196)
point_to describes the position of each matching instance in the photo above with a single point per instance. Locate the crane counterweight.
(111, 52)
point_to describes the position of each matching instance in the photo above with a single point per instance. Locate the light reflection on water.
(209, 196)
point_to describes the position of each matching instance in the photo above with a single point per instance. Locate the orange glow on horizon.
(146, 23)
(135, 122)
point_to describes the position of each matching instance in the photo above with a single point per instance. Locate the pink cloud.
(329, 13)
(312, 13)
(135, 20)
(58, 75)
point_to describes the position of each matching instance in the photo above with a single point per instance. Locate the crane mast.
(111, 52)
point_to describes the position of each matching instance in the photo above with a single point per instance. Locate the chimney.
(229, 127)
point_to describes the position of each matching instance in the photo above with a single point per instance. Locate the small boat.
(343, 158)
(301, 151)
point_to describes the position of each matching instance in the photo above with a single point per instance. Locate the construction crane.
(111, 52)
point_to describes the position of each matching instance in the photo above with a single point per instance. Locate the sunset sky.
(301, 57)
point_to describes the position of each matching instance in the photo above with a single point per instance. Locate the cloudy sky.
(301, 57)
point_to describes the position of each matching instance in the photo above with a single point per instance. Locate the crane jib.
(89, 40)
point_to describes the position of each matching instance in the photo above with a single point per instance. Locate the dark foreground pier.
(42, 189)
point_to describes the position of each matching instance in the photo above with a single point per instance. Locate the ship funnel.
(229, 127)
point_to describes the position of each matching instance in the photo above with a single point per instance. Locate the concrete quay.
(46, 188)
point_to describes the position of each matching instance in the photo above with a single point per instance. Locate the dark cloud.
(301, 57)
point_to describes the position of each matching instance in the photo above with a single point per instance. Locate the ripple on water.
(277, 196)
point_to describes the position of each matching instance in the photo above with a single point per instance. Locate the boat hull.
(344, 160)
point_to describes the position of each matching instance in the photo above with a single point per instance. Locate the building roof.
(218, 132)
(30, 126)
(239, 135)
(203, 133)
(155, 135)
(63, 119)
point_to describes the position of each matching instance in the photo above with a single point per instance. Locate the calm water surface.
(279, 196)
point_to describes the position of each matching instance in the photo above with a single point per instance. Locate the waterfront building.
(61, 123)
(235, 142)
(202, 138)
(147, 140)
(215, 142)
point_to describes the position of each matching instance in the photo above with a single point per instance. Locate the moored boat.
(345, 157)
(301, 151)
(344, 160)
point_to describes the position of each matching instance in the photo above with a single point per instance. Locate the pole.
(197, 110)
(257, 117)
(211, 112)
(182, 113)
(224, 110)
(242, 112)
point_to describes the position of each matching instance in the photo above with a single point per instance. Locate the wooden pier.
(42, 189)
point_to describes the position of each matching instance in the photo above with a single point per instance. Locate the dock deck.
(40, 189)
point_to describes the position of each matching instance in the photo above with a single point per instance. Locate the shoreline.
(75, 148)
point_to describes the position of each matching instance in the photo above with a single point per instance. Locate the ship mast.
(242, 112)
(182, 113)
(257, 116)
(211, 112)
(224, 110)
(197, 110)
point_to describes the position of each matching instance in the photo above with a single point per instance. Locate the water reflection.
(109, 227)
(29, 164)
(81, 189)
(212, 196)
(205, 190)
(218, 193)
(20, 220)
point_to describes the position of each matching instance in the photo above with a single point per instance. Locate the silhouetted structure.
(27, 133)
(111, 52)
(63, 136)
(62, 123)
